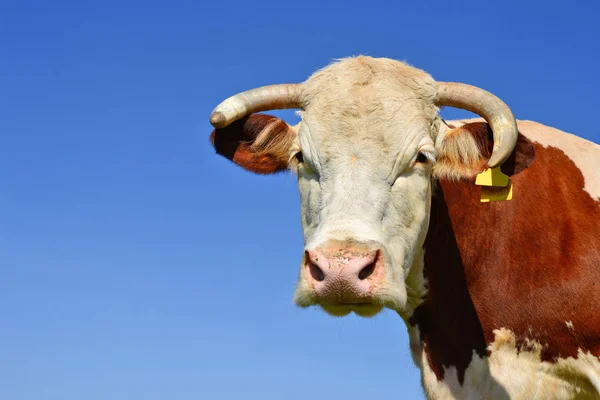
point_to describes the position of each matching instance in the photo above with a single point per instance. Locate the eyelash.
(422, 158)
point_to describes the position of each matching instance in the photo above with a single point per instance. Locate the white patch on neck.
(509, 373)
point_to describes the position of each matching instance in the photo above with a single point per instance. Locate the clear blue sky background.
(136, 264)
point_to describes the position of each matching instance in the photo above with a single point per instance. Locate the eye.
(422, 158)
(299, 157)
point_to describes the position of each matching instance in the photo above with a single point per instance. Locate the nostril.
(366, 271)
(316, 272)
(369, 269)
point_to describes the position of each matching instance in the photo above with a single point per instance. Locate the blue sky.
(136, 264)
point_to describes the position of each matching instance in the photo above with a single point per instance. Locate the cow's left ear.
(259, 143)
(463, 152)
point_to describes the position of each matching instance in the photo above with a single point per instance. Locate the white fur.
(364, 125)
(511, 374)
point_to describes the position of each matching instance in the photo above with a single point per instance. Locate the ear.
(463, 152)
(259, 143)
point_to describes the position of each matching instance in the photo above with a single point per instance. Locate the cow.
(501, 298)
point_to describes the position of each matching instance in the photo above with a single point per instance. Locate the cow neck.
(513, 264)
(447, 320)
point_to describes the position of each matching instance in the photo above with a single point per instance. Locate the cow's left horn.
(273, 97)
(490, 107)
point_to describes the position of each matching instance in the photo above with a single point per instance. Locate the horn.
(273, 97)
(490, 107)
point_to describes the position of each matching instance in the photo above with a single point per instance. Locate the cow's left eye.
(422, 158)
(299, 157)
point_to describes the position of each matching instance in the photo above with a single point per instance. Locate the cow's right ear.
(259, 143)
(463, 152)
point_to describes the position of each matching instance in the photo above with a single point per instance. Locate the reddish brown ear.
(259, 143)
(464, 152)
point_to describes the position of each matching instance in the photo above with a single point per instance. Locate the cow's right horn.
(490, 107)
(273, 97)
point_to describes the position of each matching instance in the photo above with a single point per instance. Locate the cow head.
(365, 154)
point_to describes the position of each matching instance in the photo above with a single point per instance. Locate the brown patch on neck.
(527, 265)
(448, 322)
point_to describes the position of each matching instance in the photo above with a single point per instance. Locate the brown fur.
(259, 143)
(528, 265)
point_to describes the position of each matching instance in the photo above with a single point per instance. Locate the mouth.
(368, 306)
(342, 309)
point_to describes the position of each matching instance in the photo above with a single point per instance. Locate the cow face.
(365, 200)
(363, 155)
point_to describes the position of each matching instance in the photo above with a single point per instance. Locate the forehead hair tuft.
(372, 104)
(362, 71)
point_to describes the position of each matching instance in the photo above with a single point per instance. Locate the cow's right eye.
(422, 158)
(299, 157)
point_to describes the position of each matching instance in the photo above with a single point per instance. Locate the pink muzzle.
(343, 274)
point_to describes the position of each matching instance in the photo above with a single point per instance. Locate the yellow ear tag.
(495, 185)
(492, 177)
(496, 193)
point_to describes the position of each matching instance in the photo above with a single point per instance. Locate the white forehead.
(367, 105)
